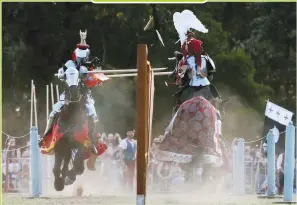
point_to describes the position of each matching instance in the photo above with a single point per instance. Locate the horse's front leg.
(78, 167)
(59, 181)
(67, 159)
(78, 163)
(71, 176)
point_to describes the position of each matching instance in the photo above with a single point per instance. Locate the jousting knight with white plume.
(194, 69)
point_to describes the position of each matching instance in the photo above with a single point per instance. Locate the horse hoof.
(91, 164)
(91, 168)
(79, 191)
(69, 181)
(59, 184)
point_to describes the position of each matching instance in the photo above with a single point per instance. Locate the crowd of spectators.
(256, 169)
(15, 166)
(119, 171)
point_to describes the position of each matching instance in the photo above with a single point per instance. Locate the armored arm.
(93, 63)
(61, 71)
(178, 56)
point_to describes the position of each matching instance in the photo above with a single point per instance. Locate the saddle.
(178, 94)
(213, 90)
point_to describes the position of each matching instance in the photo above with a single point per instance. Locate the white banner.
(278, 113)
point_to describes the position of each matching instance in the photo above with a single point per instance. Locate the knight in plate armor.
(80, 60)
(194, 68)
(195, 62)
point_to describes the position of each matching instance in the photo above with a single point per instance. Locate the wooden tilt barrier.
(144, 104)
(142, 120)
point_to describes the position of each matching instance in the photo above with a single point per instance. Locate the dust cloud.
(240, 120)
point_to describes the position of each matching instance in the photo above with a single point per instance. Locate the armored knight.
(199, 83)
(195, 69)
(80, 60)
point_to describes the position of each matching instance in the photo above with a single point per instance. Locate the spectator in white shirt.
(128, 149)
(14, 169)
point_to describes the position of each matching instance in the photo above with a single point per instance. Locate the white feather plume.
(180, 26)
(184, 21)
(193, 22)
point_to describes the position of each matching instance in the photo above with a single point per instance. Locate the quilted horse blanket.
(192, 129)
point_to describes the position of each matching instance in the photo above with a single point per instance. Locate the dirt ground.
(152, 199)
(99, 191)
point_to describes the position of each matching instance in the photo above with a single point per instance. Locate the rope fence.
(14, 137)
(11, 150)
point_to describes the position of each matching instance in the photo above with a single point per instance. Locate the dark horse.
(192, 137)
(69, 134)
(72, 122)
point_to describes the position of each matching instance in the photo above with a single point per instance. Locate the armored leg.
(186, 94)
(93, 120)
(92, 133)
(49, 124)
(56, 108)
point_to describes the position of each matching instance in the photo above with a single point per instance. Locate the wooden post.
(142, 123)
